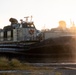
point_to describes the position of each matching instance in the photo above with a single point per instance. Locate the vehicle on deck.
(19, 35)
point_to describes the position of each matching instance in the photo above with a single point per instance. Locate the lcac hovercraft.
(18, 37)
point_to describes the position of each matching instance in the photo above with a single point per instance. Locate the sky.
(46, 13)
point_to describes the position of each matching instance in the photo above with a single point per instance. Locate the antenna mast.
(31, 19)
(26, 18)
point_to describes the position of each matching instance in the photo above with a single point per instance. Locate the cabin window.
(30, 25)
